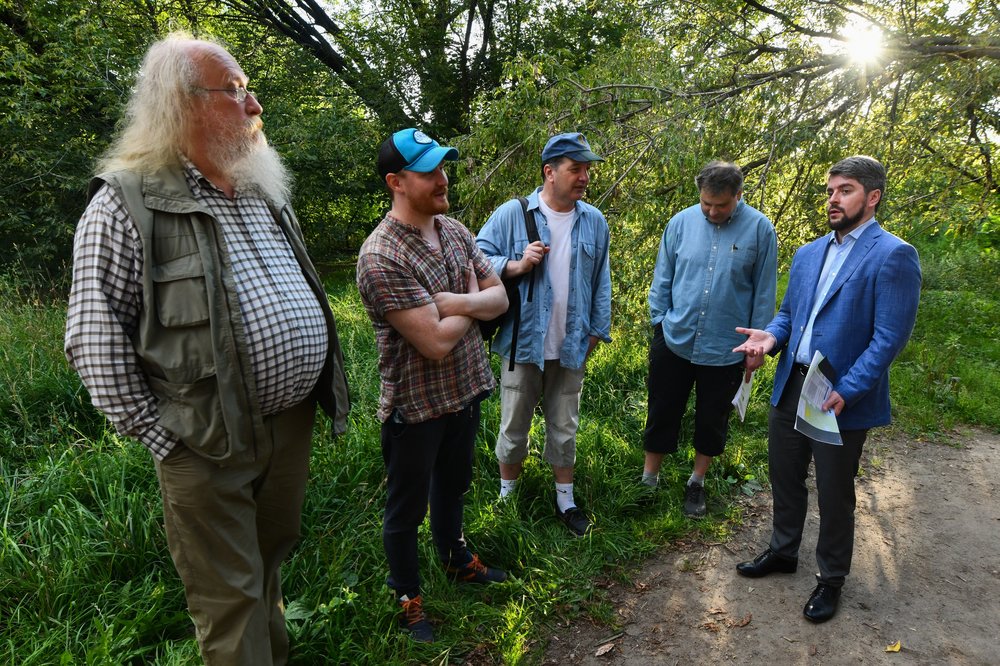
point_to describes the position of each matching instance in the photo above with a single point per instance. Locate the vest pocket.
(193, 412)
(180, 292)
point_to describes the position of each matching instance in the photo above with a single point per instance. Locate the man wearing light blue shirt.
(716, 270)
(567, 313)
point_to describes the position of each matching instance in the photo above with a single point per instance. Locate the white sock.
(564, 496)
(650, 478)
(507, 486)
(696, 480)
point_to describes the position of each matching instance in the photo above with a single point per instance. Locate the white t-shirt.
(557, 265)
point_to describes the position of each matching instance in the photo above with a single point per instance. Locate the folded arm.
(434, 329)
(486, 299)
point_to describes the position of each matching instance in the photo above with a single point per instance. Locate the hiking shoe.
(694, 501)
(474, 571)
(413, 620)
(575, 519)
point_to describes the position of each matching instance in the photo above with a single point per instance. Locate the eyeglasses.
(240, 93)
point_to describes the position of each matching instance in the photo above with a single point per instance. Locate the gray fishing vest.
(190, 340)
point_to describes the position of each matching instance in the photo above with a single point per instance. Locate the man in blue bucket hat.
(565, 311)
(425, 285)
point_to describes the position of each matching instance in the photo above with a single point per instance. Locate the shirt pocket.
(181, 292)
(587, 257)
(741, 262)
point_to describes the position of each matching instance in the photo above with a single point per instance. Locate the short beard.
(252, 166)
(845, 221)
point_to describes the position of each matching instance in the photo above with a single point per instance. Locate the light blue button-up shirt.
(710, 278)
(836, 255)
(588, 312)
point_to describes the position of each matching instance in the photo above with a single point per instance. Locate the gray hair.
(866, 170)
(719, 177)
(159, 110)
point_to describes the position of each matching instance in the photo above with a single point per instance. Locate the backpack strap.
(532, 229)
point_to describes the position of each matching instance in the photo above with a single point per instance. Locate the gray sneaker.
(694, 501)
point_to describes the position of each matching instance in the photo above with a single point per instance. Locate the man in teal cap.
(565, 311)
(425, 285)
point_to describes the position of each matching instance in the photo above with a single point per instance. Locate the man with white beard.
(200, 327)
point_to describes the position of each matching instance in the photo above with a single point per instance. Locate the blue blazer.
(862, 325)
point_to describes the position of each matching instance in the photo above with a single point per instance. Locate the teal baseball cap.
(412, 150)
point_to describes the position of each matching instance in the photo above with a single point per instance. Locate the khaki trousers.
(228, 529)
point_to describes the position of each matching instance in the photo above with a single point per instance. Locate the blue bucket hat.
(412, 150)
(572, 145)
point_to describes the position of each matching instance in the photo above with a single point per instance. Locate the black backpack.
(490, 327)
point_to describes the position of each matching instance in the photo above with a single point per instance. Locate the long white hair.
(156, 125)
(159, 110)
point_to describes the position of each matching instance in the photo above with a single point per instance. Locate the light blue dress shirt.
(836, 254)
(588, 311)
(710, 278)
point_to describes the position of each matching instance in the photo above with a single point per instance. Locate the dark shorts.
(669, 384)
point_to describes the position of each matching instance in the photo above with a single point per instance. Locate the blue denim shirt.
(588, 312)
(710, 278)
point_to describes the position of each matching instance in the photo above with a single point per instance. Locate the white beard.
(261, 172)
(250, 163)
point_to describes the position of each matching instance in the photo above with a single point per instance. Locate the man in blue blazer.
(852, 295)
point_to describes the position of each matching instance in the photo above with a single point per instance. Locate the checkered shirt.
(285, 329)
(398, 270)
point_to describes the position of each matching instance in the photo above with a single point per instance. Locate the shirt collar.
(853, 234)
(196, 179)
(409, 228)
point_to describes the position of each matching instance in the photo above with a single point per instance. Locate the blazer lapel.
(861, 248)
(811, 270)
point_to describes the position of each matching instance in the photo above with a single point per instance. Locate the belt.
(800, 368)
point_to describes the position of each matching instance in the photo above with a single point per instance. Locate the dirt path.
(926, 573)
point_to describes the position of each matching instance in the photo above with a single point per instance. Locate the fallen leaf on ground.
(716, 611)
(739, 623)
(895, 647)
(710, 626)
(604, 649)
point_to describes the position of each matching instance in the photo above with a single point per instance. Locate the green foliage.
(60, 65)
(952, 365)
(772, 89)
(66, 68)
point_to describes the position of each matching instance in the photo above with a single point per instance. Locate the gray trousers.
(520, 389)
(788, 454)
(228, 529)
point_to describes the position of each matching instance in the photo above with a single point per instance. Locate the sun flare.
(863, 41)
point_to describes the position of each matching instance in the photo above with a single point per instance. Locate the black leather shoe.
(766, 563)
(822, 605)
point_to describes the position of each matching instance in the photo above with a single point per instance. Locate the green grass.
(85, 577)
